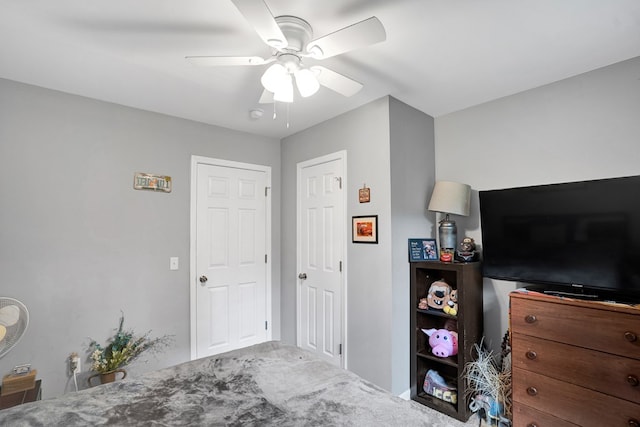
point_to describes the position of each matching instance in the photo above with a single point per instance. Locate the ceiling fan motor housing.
(297, 31)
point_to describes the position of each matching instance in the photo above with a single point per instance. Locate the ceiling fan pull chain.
(288, 104)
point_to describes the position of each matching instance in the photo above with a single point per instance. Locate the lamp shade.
(274, 78)
(307, 82)
(450, 197)
(285, 91)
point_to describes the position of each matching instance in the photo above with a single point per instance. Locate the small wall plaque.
(147, 181)
(364, 194)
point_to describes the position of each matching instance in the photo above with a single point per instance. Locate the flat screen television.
(578, 238)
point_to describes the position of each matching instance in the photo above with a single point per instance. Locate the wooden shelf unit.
(466, 278)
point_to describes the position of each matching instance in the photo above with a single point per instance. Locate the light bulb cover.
(285, 90)
(306, 82)
(274, 77)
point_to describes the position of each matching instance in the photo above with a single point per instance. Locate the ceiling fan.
(291, 39)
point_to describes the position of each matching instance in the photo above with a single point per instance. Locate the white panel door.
(231, 268)
(321, 240)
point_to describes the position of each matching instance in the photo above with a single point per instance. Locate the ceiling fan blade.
(257, 13)
(266, 97)
(361, 34)
(336, 81)
(222, 61)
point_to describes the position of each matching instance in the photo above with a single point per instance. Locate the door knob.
(203, 279)
(302, 276)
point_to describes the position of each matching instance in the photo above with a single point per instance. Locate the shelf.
(449, 361)
(438, 313)
(438, 404)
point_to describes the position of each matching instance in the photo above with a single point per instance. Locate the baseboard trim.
(406, 395)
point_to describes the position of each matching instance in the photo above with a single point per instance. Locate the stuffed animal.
(423, 304)
(451, 303)
(438, 291)
(443, 343)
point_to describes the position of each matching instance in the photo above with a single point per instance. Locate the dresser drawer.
(609, 374)
(603, 330)
(570, 402)
(524, 416)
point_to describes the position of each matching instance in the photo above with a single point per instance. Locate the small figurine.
(451, 303)
(467, 250)
(446, 255)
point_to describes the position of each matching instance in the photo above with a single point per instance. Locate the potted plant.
(122, 349)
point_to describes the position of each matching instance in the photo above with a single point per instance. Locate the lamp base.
(448, 233)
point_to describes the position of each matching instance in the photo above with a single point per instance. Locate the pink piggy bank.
(443, 343)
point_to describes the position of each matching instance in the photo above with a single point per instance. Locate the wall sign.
(364, 194)
(147, 181)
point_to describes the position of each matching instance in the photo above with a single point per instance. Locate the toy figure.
(438, 291)
(443, 343)
(451, 303)
(467, 250)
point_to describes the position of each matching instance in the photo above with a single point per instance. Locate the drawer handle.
(630, 336)
(634, 423)
(531, 355)
(531, 318)
(532, 391)
(633, 380)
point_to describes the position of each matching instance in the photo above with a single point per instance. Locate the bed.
(265, 384)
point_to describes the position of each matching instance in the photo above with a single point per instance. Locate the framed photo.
(423, 250)
(364, 229)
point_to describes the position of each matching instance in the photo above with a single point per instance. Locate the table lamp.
(449, 198)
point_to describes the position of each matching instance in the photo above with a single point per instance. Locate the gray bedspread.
(266, 384)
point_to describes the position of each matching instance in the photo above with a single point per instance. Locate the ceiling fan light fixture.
(274, 77)
(306, 82)
(284, 92)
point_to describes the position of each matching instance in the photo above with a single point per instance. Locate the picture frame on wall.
(364, 229)
(423, 250)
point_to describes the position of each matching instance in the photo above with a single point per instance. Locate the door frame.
(193, 274)
(338, 155)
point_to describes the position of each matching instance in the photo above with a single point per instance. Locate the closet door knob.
(530, 318)
(203, 279)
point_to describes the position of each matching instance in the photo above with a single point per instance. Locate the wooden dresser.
(574, 363)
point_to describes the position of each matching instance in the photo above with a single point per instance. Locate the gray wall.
(585, 127)
(377, 295)
(412, 180)
(78, 244)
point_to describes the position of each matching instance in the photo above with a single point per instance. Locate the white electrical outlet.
(174, 263)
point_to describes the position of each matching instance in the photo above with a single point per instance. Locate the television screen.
(583, 235)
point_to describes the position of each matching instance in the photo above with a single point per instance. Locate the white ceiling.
(440, 56)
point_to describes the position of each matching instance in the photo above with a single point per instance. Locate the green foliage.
(123, 348)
